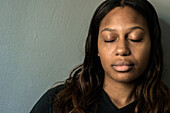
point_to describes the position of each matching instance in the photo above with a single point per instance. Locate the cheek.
(105, 49)
(142, 55)
(105, 55)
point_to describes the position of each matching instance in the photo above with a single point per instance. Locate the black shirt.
(106, 106)
(44, 105)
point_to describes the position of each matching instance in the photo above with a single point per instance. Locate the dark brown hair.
(81, 91)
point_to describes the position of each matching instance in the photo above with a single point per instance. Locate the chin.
(130, 81)
(124, 78)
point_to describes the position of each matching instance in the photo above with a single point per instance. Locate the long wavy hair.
(81, 92)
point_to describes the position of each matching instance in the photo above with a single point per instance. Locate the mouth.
(123, 66)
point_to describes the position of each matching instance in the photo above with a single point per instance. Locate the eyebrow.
(130, 29)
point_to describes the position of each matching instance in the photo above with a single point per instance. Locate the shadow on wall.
(166, 46)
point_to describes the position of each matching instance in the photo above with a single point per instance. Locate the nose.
(122, 48)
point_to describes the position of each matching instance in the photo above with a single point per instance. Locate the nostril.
(125, 54)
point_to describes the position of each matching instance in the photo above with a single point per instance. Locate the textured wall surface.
(42, 40)
(163, 8)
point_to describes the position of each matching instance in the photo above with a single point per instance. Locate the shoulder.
(55, 90)
(44, 105)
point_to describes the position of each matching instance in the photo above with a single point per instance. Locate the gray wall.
(42, 40)
(163, 9)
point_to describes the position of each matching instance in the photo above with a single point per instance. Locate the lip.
(122, 66)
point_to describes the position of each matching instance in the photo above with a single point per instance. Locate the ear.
(98, 55)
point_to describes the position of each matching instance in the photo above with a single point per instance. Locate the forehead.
(123, 15)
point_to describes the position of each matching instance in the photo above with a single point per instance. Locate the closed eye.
(107, 41)
(138, 40)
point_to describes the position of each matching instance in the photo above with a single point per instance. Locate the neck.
(121, 94)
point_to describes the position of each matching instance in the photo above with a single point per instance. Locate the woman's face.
(123, 45)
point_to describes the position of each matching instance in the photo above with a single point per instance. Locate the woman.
(122, 68)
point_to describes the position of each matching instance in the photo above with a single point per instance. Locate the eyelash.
(136, 40)
(109, 41)
(129, 39)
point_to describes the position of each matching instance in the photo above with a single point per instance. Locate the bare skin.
(124, 94)
(124, 50)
